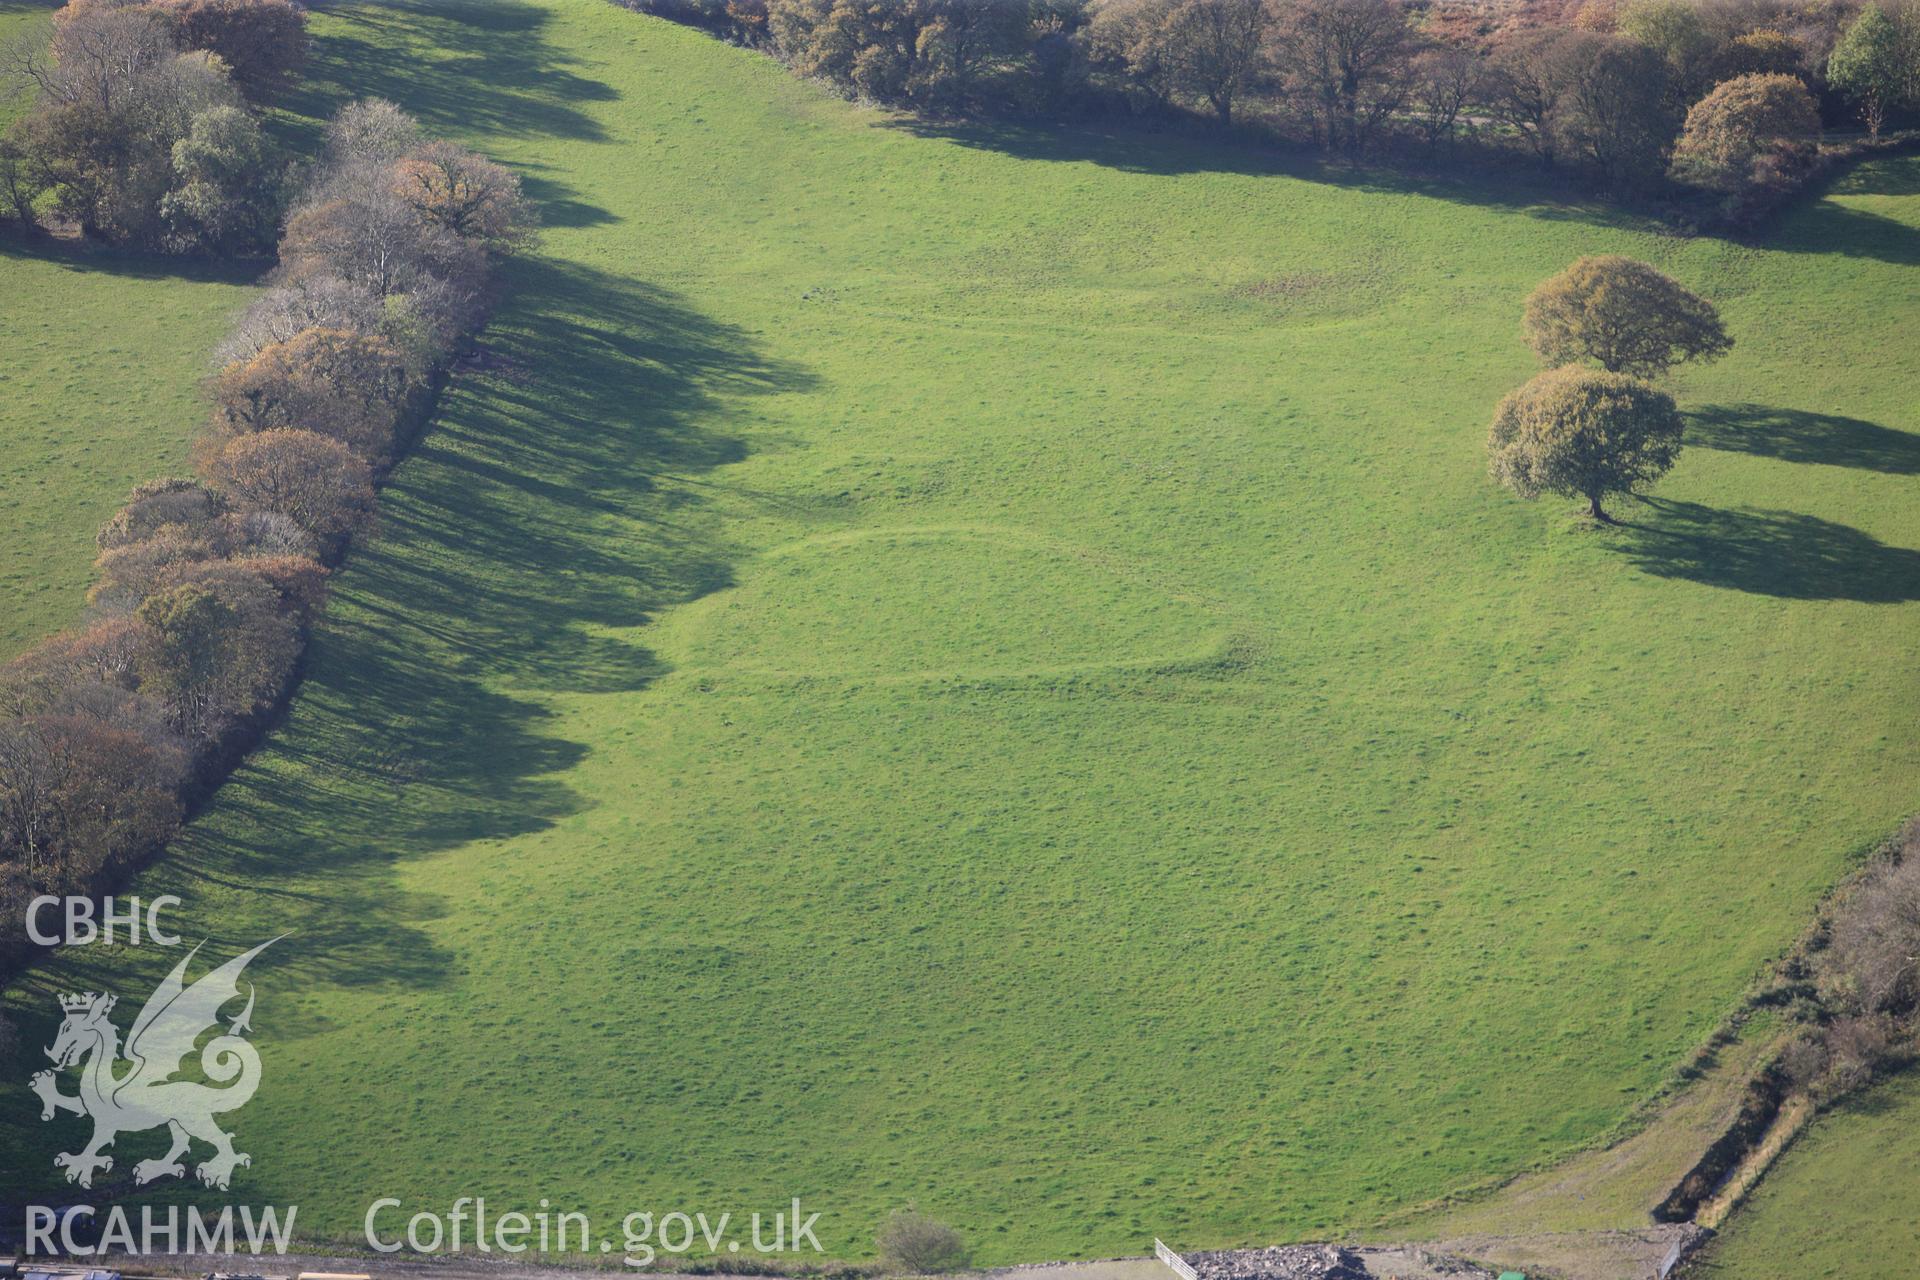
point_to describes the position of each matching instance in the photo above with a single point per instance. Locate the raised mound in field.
(945, 602)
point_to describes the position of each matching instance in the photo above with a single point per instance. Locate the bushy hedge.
(208, 586)
(1602, 88)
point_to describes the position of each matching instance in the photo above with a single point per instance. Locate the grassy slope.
(1840, 1201)
(100, 358)
(1616, 1187)
(985, 670)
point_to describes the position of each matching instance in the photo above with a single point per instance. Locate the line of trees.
(145, 129)
(1721, 96)
(207, 585)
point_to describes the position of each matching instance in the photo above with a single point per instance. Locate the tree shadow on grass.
(1825, 227)
(1880, 176)
(559, 203)
(1822, 225)
(1792, 435)
(556, 502)
(80, 255)
(1772, 553)
(1172, 150)
(459, 66)
(543, 517)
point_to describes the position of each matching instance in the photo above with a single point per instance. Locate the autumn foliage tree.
(1765, 52)
(929, 51)
(361, 231)
(1528, 75)
(1618, 110)
(1209, 52)
(1624, 315)
(1445, 82)
(1584, 433)
(1750, 132)
(116, 94)
(221, 645)
(156, 504)
(1346, 62)
(88, 668)
(350, 386)
(368, 133)
(76, 794)
(318, 301)
(128, 574)
(182, 665)
(263, 42)
(226, 191)
(1677, 31)
(312, 479)
(464, 193)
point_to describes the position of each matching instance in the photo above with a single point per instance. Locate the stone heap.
(1282, 1262)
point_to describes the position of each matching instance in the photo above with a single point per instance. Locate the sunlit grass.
(981, 667)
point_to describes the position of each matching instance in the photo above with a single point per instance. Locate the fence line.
(1174, 1260)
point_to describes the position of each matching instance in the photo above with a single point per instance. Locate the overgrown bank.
(1850, 997)
(1850, 992)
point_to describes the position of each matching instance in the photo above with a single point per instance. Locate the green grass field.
(21, 20)
(1839, 1204)
(981, 667)
(104, 354)
(100, 358)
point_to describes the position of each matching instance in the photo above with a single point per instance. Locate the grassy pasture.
(1840, 1201)
(104, 354)
(981, 667)
(100, 358)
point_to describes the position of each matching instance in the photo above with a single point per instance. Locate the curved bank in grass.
(1483, 822)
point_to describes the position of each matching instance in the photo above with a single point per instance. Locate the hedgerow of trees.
(207, 586)
(1618, 91)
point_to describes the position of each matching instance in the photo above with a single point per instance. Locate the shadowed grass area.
(929, 670)
(1776, 553)
(1795, 436)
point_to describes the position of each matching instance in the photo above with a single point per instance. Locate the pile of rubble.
(1282, 1262)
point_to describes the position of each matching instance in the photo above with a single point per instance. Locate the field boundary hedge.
(1710, 125)
(114, 732)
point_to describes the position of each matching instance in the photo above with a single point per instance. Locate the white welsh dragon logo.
(145, 1096)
